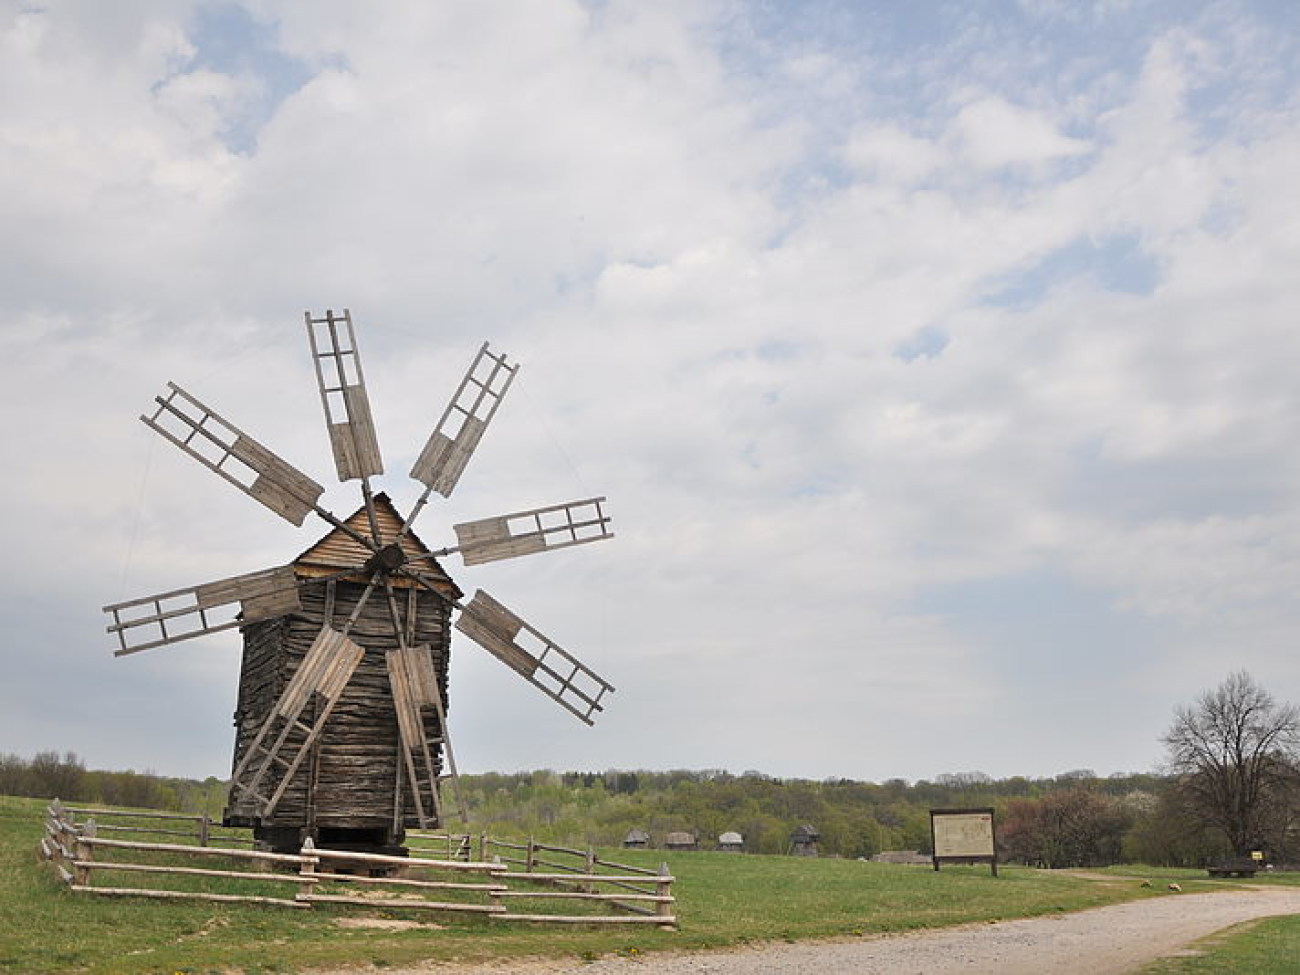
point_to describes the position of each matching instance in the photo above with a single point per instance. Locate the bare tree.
(1236, 755)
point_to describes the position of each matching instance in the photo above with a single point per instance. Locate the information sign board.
(963, 836)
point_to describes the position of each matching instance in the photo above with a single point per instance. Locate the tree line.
(1074, 819)
(1232, 788)
(51, 775)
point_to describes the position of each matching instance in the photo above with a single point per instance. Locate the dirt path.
(1103, 941)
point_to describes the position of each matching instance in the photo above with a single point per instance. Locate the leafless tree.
(1236, 754)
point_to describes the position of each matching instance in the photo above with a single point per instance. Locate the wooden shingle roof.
(338, 550)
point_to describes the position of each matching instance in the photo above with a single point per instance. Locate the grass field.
(722, 900)
(1268, 947)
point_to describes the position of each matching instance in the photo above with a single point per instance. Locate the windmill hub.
(387, 560)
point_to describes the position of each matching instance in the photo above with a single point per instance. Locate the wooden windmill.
(341, 723)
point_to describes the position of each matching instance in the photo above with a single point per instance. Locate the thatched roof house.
(803, 840)
(731, 842)
(636, 839)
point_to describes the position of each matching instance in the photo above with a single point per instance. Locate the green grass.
(1267, 947)
(722, 900)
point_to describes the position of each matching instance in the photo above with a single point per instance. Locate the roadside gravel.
(1104, 941)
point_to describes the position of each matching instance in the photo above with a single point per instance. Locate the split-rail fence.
(455, 883)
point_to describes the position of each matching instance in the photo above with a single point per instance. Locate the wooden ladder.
(324, 671)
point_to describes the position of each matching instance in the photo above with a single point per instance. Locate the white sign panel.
(965, 834)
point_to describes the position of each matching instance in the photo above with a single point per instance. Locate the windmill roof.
(338, 550)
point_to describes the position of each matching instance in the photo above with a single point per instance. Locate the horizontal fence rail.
(454, 881)
(578, 877)
(202, 831)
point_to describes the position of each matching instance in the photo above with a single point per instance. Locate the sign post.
(963, 836)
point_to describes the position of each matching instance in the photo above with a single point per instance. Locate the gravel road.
(1103, 941)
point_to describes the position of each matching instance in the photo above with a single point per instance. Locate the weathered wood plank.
(534, 530)
(472, 407)
(666, 920)
(325, 670)
(351, 878)
(354, 767)
(343, 396)
(289, 859)
(464, 866)
(554, 671)
(109, 865)
(584, 896)
(188, 895)
(183, 614)
(589, 878)
(404, 904)
(180, 418)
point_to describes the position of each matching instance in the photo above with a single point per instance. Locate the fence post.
(494, 896)
(664, 888)
(205, 829)
(482, 847)
(589, 867)
(52, 830)
(308, 866)
(85, 854)
(530, 856)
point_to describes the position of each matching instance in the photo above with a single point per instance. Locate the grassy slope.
(1268, 947)
(722, 900)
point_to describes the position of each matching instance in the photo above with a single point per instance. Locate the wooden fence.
(321, 876)
(451, 846)
(637, 890)
(201, 830)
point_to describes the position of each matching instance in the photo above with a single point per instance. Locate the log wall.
(351, 780)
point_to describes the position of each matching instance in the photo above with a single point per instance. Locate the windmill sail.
(461, 426)
(169, 617)
(343, 395)
(536, 530)
(536, 658)
(323, 672)
(220, 446)
(415, 685)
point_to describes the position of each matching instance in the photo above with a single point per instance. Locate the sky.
(937, 359)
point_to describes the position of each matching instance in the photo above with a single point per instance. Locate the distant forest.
(1073, 819)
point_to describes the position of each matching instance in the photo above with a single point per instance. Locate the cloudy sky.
(937, 359)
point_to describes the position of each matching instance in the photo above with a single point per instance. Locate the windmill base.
(289, 839)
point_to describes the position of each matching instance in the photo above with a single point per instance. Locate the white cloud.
(712, 282)
(992, 132)
(894, 154)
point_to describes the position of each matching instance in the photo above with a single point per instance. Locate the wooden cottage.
(731, 842)
(681, 841)
(803, 840)
(636, 839)
(353, 788)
